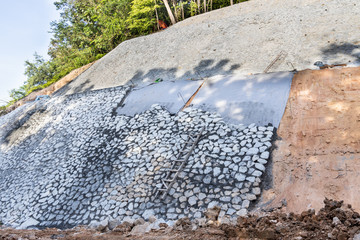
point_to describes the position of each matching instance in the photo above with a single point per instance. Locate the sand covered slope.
(244, 38)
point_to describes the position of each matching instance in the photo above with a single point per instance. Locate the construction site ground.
(317, 150)
(316, 157)
(334, 221)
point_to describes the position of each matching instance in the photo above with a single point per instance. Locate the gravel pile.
(75, 161)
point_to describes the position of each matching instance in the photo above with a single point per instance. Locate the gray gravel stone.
(242, 213)
(192, 200)
(207, 179)
(240, 177)
(252, 151)
(265, 155)
(216, 171)
(260, 166)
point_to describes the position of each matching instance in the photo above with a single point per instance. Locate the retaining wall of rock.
(75, 161)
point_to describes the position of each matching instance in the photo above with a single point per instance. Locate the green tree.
(18, 93)
(38, 72)
(112, 16)
(142, 17)
(87, 30)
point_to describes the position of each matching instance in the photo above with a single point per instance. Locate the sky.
(24, 30)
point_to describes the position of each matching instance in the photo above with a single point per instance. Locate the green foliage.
(3, 111)
(114, 30)
(19, 93)
(38, 72)
(193, 8)
(142, 18)
(88, 29)
(224, 3)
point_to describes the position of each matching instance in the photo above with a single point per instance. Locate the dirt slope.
(319, 152)
(244, 39)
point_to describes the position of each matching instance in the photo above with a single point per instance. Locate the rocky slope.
(74, 161)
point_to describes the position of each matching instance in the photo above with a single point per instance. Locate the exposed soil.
(318, 150)
(335, 221)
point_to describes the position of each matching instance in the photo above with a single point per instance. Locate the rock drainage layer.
(75, 161)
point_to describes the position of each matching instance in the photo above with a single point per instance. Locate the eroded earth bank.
(318, 146)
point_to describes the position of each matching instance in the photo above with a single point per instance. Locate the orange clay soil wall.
(318, 153)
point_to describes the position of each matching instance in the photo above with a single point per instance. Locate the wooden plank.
(183, 162)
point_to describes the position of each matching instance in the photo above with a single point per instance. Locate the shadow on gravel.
(83, 87)
(350, 49)
(205, 68)
(12, 130)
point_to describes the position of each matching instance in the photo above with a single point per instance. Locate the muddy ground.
(335, 220)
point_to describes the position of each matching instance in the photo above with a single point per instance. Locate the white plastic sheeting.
(259, 99)
(171, 95)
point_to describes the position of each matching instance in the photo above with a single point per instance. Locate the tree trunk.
(175, 11)
(231, 2)
(204, 6)
(198, 5)
(157, 17)
(182, 10)
(168, 9)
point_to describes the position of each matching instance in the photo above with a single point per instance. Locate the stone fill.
(75, 161)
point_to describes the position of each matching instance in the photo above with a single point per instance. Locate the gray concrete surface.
(244, 38)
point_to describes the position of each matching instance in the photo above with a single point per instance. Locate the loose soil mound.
(334, 221)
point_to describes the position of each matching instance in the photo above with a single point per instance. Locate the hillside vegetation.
(88, 29)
